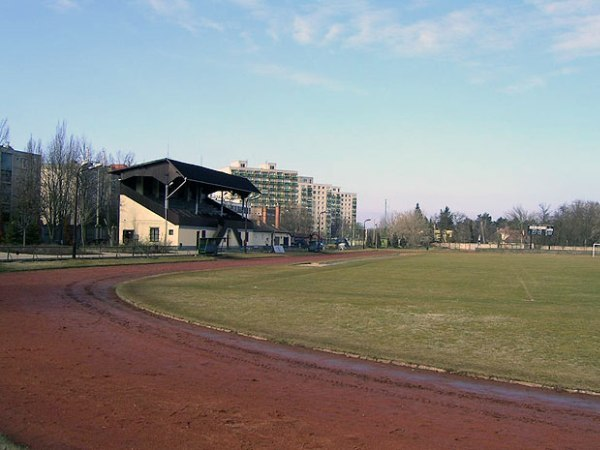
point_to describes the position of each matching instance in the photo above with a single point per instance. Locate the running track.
(81, 369)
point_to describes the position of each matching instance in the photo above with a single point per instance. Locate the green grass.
(66, 263)
(533, 318)
(5, 444)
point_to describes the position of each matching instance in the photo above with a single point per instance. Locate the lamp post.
(365, 228)
(87, 166)
(166, 212)
(245, 212)
(375, 235)
(97, 234)
(74, 250)
(168, 195)
(322, 212)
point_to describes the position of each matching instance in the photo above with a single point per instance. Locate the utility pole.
(385, 212)
(98, 208)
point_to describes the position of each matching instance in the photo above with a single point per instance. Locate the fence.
(519, 247)
(53, 252)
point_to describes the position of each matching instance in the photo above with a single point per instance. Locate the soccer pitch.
(526, 317)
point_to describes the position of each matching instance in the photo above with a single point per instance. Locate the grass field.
(526, 317)
(5, 444)
(67, 263)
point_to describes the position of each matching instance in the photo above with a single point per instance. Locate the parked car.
(315, 246)
(342, 243)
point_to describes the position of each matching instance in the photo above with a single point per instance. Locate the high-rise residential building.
(333, 212)
(348, 211)
(278, 187)
(306, 193)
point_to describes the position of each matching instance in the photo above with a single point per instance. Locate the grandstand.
(168, 202)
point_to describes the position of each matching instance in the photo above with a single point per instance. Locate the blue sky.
(480, 106)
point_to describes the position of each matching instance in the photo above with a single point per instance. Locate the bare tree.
(520, 219)
(410, 226)
(544, 213)
(121, 157)
(297, 221)
(4, 132)
(88, 185)
(486, 230)
(577, 223)
(464, 227)
(98, 200)
(58, 181)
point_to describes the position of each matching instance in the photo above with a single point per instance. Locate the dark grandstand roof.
(168, 170)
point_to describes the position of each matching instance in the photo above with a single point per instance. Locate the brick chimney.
(277, 216)
(264, 215)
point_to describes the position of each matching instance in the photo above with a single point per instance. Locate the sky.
(478, 106)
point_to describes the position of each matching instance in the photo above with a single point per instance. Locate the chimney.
(264, 215)
(277, 216)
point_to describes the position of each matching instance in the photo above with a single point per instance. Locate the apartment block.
(278, 187)
(15, 167)
(333, 212)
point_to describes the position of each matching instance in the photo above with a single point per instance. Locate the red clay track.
(81, 369)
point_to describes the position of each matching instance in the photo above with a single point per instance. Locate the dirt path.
(80, 369)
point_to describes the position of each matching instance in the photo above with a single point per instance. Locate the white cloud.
(250, 4)
(561, 7)
(475, 32)
(256, 7)
(422, 28)
(302, 30)
(300, 78)
(334, 31)
(582, 39)
(362, 24)
(181, 12)
(178, 11)
(565, 71)
(63, 5)
(433, 36)
(574, 25)
(535, 82)
(249, 42)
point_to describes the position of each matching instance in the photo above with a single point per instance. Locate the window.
(154, 234)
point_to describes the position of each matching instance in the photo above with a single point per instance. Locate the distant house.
(507, 235)
(167, 202)
(267, 235)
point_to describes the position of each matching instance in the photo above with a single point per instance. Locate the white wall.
(134, 216)
(262, 238)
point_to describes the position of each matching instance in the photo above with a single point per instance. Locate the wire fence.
(516, 247)
(54, 252)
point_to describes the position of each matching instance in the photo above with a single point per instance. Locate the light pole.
(88, 166)
(365, 228)
(166, 212)
(375, 235)
(322, 212)
(245, 212)
(168, 195)
(97, 234)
